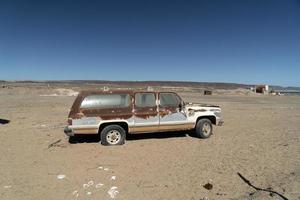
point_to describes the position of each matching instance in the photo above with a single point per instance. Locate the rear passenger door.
(145, 112)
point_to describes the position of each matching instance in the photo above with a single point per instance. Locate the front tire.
(204, 128)
(113, 135)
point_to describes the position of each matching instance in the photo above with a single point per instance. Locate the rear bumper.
(81, 129)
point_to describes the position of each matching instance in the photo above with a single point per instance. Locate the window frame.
(155, 100)
(106, 107)
(179, 98)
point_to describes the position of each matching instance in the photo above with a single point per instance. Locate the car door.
(145, 112)
(172, 115)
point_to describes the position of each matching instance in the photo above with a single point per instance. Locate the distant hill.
(212, 85)
(215, 85)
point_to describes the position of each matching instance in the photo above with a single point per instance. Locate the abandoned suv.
(112, 114)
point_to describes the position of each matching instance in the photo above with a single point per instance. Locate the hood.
(191, 104)
(200, 107)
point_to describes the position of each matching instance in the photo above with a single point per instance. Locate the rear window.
(145, 100)
(106, 101)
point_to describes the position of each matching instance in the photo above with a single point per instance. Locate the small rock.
(61, 176)
(113, 192)
(99, 185)
(208, 186)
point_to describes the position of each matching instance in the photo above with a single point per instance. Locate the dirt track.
(260, 139)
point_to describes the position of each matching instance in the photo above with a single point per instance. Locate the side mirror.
(180, 106)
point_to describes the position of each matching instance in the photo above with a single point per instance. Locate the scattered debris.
(54, 143)
(113, 192)
(4, 121)
(113, 178)
(99, 185)
(263, 89)
(272, 192)
(208, 186)
(204, 198)
(6, 86)
(61, 92)
(61, 176)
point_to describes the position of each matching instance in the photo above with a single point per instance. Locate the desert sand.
(260, 140)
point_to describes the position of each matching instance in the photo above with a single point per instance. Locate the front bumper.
(68, 131)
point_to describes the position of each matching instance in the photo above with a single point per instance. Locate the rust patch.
(145, 112)
(117, 113)
(197, 110)
(109, 113)
(167, 110)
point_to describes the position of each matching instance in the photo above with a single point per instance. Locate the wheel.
(113, 135)
(204, 128)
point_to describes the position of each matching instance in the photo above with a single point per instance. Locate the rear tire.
(204, 128)
(113, 135)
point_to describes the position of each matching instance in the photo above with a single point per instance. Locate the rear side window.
(169, 99)
(106, 101)
(145, 100)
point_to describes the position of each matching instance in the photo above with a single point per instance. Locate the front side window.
(169, 99)
(106, 101)
(145, 100)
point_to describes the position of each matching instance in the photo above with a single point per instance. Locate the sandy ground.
(260, 139)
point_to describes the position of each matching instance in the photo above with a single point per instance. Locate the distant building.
(207, 92)
(263, 89)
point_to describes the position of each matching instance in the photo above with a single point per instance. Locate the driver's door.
(172, 116)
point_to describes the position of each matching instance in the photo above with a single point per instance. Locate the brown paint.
(161, 128)
(177, 127)
(86, 131)
(143, 129)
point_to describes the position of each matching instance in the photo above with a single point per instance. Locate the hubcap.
(113, 137)
(206, 129)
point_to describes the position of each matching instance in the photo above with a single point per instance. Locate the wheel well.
(124, 125)
(210, 117)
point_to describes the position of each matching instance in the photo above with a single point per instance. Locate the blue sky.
(238, 41)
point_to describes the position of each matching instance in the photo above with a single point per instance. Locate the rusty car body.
(113, 114)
